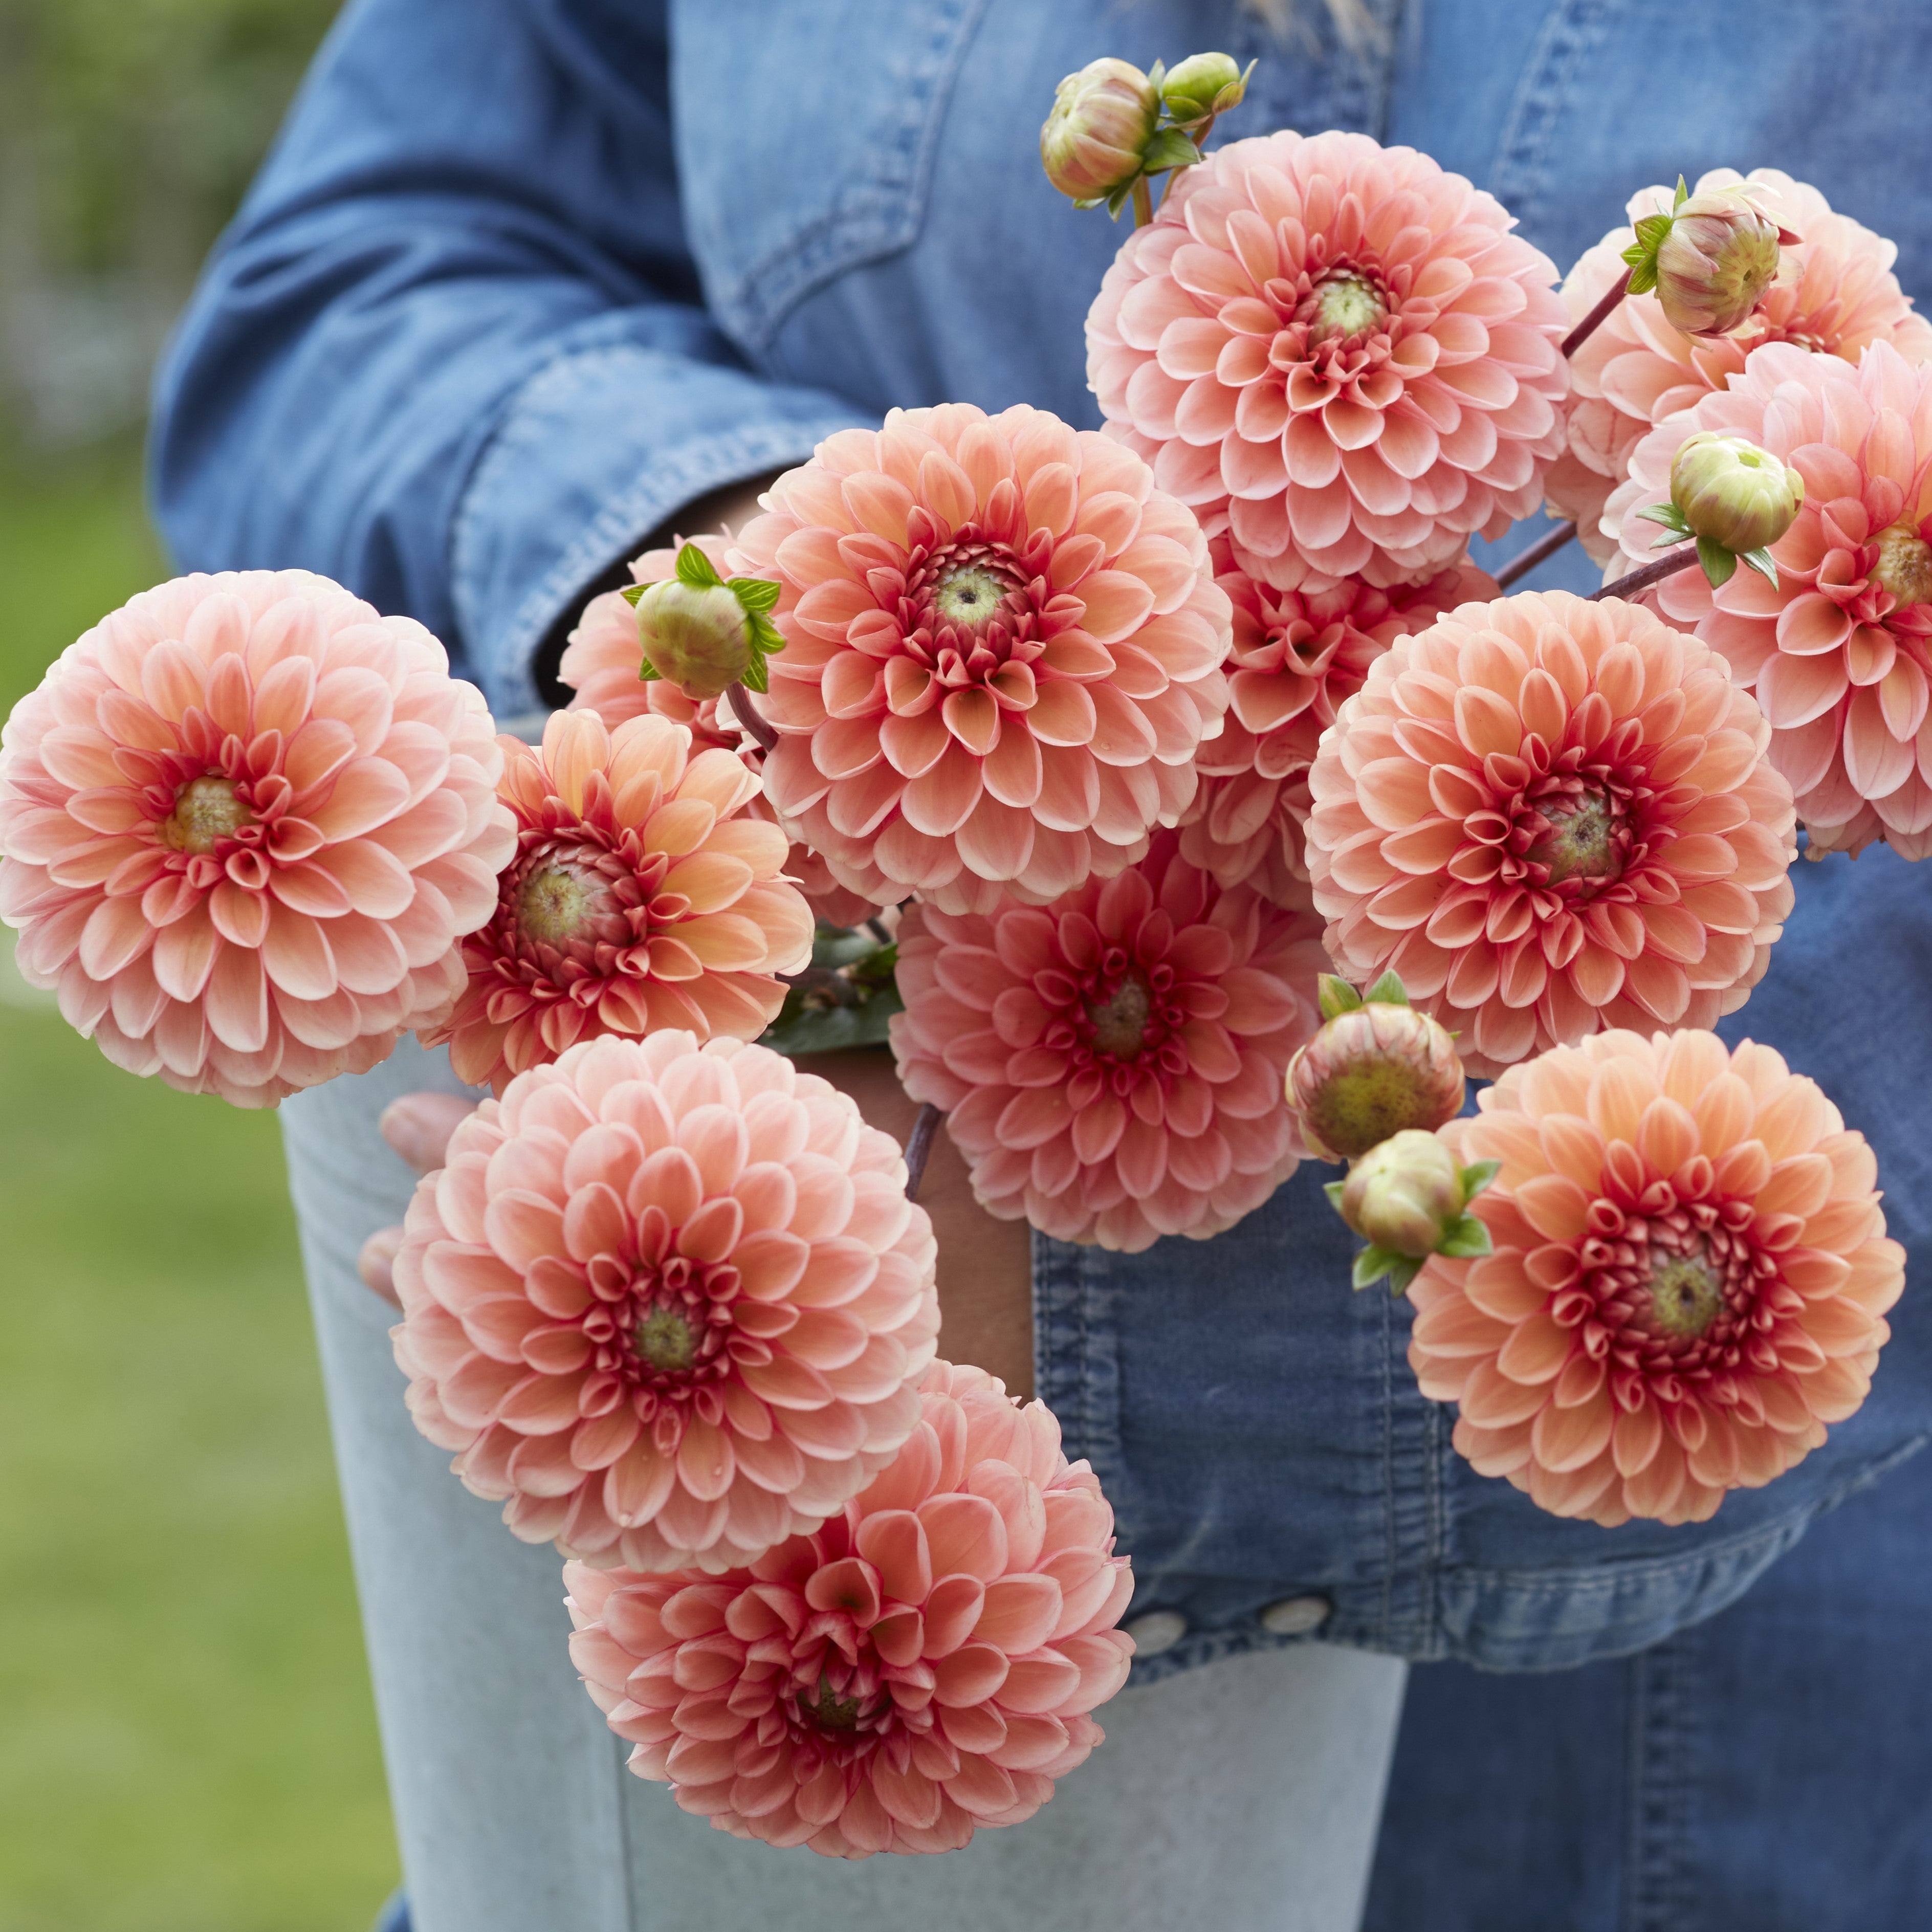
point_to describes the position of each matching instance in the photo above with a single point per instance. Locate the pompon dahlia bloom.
(1689, 1282)
(1111, 1065)
(1297, 655)
(1835, 293)
(1550, 816)
(669, 1300)
(921, 1666)
(641, 896)
(1339, 351)
(245, 820)
(1840, 654)
(1004, 646)
(601, 665)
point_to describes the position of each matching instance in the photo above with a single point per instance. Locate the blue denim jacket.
(524, 277)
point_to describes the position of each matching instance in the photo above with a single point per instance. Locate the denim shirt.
(524, 277)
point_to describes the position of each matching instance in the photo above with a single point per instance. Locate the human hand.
(986, 1271)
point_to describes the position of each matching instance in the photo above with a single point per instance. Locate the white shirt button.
(1157, 1631)
(1296, 1616)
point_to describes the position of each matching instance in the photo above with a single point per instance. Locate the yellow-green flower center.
(1583, 840)
(1685, 1293)
(666, 1340)
(1120, 1024)
(552, 904)
(1904, 565)
(206, 810)
(1347, 305)
(830, 1710)
(968, 596)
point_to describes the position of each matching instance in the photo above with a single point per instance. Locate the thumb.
(419, 1126)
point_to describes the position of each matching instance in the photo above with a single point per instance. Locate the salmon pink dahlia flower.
(670, 1300)
(1549, 816)
(245, 820)
(1337, 351)
(1004, 646)
(600, 666)
(1839, 653)
(1689, 1282)
(1297, 655)
(1834, 294)
(921, 1666)
(641, 897)
(1111, 1065)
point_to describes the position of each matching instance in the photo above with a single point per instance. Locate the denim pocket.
(805, 141)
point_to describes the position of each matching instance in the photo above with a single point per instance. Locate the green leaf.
(1121, 196)
(696, 569)
(1476, 1176)
(755, 594)
(1670, 516)
(1683, 196)
(755, 677)
(1156, 74)
(1337, 996)
(1641, 253)
(1465, 1238)
(766, 636)
(632, 592)
(1333, 1189)
(833, 1029)
(647, 672)
(1388, 991)
(1642, 279)
(1371, 1264)
(1760, 561)
(1402, 1272)
(1720, 564)
(1168, 148)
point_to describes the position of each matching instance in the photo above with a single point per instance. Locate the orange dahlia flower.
(670, 1300)
(1111, 1065)
(1689, 1283)
(1550, 816)
(922, 1667)
(600, 666)
(1004, 646)
(1834, 294)
(1298, 654)
(245, 820)
(1337, 351)
(641, 897)
(1839, 652)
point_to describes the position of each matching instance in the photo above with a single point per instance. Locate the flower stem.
(753, 720)
(919, 1144)
(1526, 560)
(1668, 564)
(1199, 137)
(1598, 316)
(1143, 201)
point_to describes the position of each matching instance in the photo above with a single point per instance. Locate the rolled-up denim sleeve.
(453, 351)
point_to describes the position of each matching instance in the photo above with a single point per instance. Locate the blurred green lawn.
(186, 1743)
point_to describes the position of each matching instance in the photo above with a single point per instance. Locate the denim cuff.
(603, 442)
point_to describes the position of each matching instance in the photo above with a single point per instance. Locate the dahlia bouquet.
(1178, 802)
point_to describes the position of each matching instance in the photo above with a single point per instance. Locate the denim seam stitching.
(1566, 37)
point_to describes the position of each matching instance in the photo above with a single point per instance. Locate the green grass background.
(186, 1743)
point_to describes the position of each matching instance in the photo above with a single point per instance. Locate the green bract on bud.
(702, 635)
(1710, 259)
(1202, 86)
(1375, 1069)
(1103, 117)
(1730, 492)
(1404, 1195)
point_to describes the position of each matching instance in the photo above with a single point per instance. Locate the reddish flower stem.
(919, 1145)
(1524, 561)
(1598, 316)
(1667, 566)
(753, 720)
(1143, 201)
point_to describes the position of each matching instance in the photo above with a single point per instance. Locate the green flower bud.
(698, 638)
(1102, 118)
(1732, 493)
(1204, 85)
(1715, 263)
(1404, 1195)
(1371, 1072)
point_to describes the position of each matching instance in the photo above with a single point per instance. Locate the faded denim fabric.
(524, 277)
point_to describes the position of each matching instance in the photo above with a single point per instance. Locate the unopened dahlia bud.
(1202, 86)
(1373, 1070)
(1404, 1195)
(1732, 493)
(1102, 118)
(698, 640)
(1717, 261)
